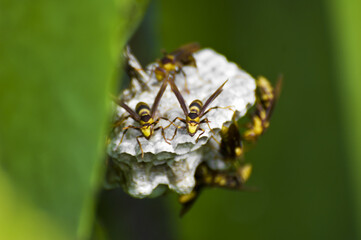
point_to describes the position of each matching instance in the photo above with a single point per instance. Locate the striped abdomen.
(144, 113)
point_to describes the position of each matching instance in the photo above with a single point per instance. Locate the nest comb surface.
(174, 164)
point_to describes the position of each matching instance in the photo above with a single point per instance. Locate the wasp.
(173, 62)
(196, 111)
(207, 177)
(145, 117)
(231, 147)
(135, 71)
(266, 99)
(234, 177)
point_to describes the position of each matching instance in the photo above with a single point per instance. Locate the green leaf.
(345, 18)
(57, 60)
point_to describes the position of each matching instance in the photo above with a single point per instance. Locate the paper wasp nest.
(174, 164)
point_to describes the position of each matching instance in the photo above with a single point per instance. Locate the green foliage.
(57, 60)
(300, 164)
(345, 18)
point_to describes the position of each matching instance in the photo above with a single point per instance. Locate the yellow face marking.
(147, 131)
(192, 124)
(169, 67)
(192, 128)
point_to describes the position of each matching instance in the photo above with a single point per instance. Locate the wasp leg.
(171, 122)
(140, 145)
(228, 107)
(175, 119)
(176, 129)
(200, 134)
(207, 121)
(120, 121)
(125, 131)
(185, 80)
(215, 140)
(160, 127)
(163, 134)
(175, 132)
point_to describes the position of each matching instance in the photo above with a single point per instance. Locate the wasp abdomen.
(142, 109)
(195, 106)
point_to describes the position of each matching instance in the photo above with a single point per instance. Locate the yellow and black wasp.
(234, 177)
(172, 63)
(266, 99)
(196, 111)
(231, 147)
(134, 70)
(207, 177)
(145, 117)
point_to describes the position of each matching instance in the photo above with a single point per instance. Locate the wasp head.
(168, 63)
(192, 123)
(147, 130)
(147, 125)
(160, 73)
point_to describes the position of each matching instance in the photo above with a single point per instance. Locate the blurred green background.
(307, 165)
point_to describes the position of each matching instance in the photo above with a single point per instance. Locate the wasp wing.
(211, 98)
(185, 51)
(133, 114)
(178, 95)
(134, 69)
(158, 97)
